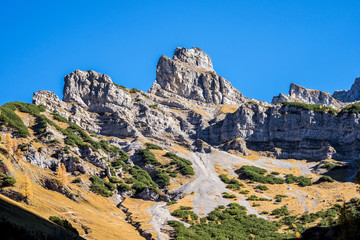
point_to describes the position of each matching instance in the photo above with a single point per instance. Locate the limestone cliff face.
(190, 74)
(183, 107)
(93, 90)
(351, 95)
(300, 94)
(95, 103)
(288, 132)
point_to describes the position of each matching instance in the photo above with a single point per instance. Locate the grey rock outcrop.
(94, 91)
(351, 95)
(190, 75)
(288, 132)
(300, 94)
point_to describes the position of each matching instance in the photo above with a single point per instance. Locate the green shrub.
(262, 187)
(24, 147)
(326, 179)
(275, 173)
(244, 192)
(279, 198)
(8, 116)
(310, 107)
(228, 195)
(134, 90)
(114, 180)
(77, 180)
(63, 223)
(6, 181)
(154, 106)
(171, 203)
(123, 187)
(252, 198)
(283, 211)
(163, 177)
(185, 208)
(149, 157)
(182, 164)
(153, 146)
(257, 174)
(184, 214)
(302, 181)
(101, 187)
(329, 165)
(353, 108)
(59, 118)
(234, 224)
(224, 178)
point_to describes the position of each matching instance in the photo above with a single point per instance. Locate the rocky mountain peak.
(194, 57)
(298, 93)
(349, 95)
(190, 75)
(90, 89)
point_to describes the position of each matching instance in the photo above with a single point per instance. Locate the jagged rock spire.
(190, 74)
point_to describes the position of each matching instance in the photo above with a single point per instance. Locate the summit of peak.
(194, 57)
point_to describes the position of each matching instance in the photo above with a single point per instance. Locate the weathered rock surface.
(351, 95)
(180, 108)
(288, 132)
(300, 94)
(190, 74)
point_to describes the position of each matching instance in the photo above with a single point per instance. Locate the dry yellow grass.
(187, 201)
(95, 215)
(300, 199)
(227, 108)
(137, 208)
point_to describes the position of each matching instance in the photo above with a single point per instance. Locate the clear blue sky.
(259, 46)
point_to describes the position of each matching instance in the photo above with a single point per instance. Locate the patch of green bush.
(153, 146)
(353, 108)
(6, 181)
(228, 195)
(134, 90)
(228, 223)
(329, 165)
(244, 192)
(63, 223)
(171, 203)
(101, 187)
(183, 165)
(257, 174)
(310, 107)
(149, 157)
(163, 177)
(123, 187)
(326, 179)
(184, 214)
(301, 180)
(262, 187)
(77, 180)
(283, 211)
(278, 198)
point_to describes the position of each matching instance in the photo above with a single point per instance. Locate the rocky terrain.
(145, 162)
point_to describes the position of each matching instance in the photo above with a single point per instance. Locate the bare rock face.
(351, 95)
(190, 74)
(300, 94)
(93, 90)
(288, 132)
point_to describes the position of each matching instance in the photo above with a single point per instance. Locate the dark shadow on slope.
(17, 223)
